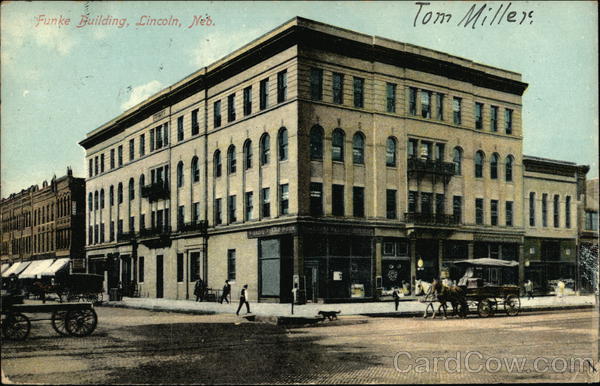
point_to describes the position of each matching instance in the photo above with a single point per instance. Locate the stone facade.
(317, 157)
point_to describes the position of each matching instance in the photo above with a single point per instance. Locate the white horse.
(425, 290)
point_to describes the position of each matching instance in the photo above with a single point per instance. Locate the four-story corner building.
(343, 163)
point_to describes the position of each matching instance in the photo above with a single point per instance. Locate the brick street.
(139, 346)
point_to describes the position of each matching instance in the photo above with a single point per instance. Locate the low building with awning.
(16, 268)
(34, 271)
(56, 266)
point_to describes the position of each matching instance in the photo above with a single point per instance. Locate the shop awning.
(488, 262)
(56, 266)
(4, 267)
(35, 269)
(16, 268)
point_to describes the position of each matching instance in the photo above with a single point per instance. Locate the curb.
(408, 314)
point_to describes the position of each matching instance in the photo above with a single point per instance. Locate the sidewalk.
(406, 308)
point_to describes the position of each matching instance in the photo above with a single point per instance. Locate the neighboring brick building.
(45, 223)
(344, 162)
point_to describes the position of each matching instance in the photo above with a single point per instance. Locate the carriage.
(485, 297)
(86, 287)
(74, 319)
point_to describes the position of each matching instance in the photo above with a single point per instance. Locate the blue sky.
(59, 83)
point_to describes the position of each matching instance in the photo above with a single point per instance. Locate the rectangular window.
(111, 228)
(102, 232)
(440, 204)
(316, 198)
(425, 104)
(264, 93)
(231, 209)
(180, 216)
(283, 199)
(556, 210)
(142, 145)
(141, 269)
(479, 211)
(508, 121)
(112, 159)
(248, 100)
(494, 212)
(120, 155)
(142, 221)
(359, 91)
(102, 163)
(591, 221)
(358, 201)
(281, 86)
(131, 224)
(195, 212)
(456, 110)
(195, 124)
(231, 264)
(217, 114)
(412, 148)
(494, 118)
(249, 206)
(96, 165)
(412, 202)
(180, 128)
(159, 137)
(218, 218)
(179, 267)
(338, 200)
(545, 209)
(152, 140)
(131, 150)
(391, 97)
(194, 266)
(265, 202)
(457, 209)
(531, 209)
(91, 167)
(509, 213)
(568, 212)
(439, 103)
(426, 203)
(390, 203)
(231, 108)
(478, 115)
(316, 84)
(166, 134)
(439, 152)
(338, 88)
(412, 101)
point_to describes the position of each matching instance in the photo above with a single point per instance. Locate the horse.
(428, 296)
(453, 295)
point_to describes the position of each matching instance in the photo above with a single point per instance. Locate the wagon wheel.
(58, 322)
(16, 326)
(512, 305)
(81, 322)
(485, 308)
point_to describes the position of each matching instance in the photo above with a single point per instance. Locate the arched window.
(337, 145)
(390, 152)
(494, 166)
(120, 193)
(231, 161)
(282, 141)
(217, 163)
(131, 189)
(358, 148)
(142, 182)
(95, 202)
(101, 198)
(90, 202)
(180, 174)
(457, 159)
(265, 145)
(316, 143)
(111, 195)
(508, 168)
(479, 157)
(196, 170)
(247, 154)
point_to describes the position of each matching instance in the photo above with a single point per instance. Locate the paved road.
(138, 346)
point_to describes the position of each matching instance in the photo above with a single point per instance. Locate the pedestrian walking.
(199, 290)
(396, 298)
(226, 292)
(529, 289)
(244, 300)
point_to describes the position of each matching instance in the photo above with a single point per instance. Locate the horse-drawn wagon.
(73, 287)
(75, 319)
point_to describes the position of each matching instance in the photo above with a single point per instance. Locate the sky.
(59, 82)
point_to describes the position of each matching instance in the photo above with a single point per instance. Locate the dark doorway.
(427, 250)
(159, 276)
(311, 273)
